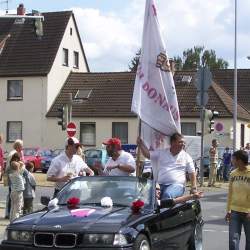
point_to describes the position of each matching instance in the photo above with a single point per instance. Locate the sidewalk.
(3, 222)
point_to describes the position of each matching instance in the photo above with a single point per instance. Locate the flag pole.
(138, 154)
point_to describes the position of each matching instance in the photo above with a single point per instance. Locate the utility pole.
(202, 83)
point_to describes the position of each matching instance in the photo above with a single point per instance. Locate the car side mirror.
(45, 200)
(167, 203)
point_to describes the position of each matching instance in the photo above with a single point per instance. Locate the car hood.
(61, 219)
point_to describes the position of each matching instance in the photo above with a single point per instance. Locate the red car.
(35, 155)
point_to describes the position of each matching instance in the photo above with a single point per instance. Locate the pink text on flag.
(159, 99)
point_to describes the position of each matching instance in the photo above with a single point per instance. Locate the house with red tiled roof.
(40, 68)
(108, 111)
(33, 68)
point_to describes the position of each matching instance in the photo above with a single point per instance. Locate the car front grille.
(59, 240)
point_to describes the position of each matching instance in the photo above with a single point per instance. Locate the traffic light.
(63, 115)
(209, 116)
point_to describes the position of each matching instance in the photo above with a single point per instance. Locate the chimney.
(20, 10)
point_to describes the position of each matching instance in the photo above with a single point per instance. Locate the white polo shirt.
(125, 158)
(171, 169)
(61, 165)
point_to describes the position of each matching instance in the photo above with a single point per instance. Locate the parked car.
(46, 161)
(96, 213)
(35, 155)
(93, 155)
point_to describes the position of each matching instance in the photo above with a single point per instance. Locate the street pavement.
(215, 231)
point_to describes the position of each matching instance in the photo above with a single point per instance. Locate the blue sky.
(111, 30)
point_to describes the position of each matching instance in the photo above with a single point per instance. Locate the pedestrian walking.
(17, 148)
(247, 149)
(67, 165)
(213, 159)
(238, 202)
(226, 164)
(29, 189)
(16, 172)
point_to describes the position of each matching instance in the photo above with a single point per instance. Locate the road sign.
(219, 127)
(203, 79)
(202, 102)
(71, 129)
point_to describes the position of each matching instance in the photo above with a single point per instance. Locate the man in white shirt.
(120, 163)
(170, 167)
(67, 165)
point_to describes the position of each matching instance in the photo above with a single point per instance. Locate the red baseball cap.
(113, 141)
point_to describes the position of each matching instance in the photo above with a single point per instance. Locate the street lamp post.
(235, 78)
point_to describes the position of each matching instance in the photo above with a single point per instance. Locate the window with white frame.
(88, 133)
(188, 128)
(15, 90)
(76, 59)
(120, 130)
(65, 57)
(14, 130)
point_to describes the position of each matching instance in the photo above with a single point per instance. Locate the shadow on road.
(218, 197)
(219, 221)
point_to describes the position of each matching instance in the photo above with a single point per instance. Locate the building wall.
(225, 137)
(30, 110)
(55, 137)
(104, 131)
(59, 73)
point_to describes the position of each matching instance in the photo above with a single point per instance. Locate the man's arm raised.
(143, 147)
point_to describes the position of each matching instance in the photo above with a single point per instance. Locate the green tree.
(191, 60)
(135, 61)
(197, 56)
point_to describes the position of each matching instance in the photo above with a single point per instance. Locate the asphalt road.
(215, 231)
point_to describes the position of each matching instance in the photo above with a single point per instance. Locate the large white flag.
(154, 97)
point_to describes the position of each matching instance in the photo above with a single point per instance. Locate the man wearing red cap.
(120, 163)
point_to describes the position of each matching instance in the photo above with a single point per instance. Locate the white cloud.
(111, 39)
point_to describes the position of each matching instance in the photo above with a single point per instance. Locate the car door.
(172, 228)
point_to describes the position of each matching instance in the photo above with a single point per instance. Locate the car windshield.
(122, 190)
(29, 152)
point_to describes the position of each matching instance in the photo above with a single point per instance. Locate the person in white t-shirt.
(120, 163)
(67, 165)
(170, 167)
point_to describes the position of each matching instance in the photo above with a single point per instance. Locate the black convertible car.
(107, 213)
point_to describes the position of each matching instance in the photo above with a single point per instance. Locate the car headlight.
(96, 239)
(120, 240)
(19, 235)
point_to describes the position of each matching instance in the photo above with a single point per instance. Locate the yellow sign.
(248, 125)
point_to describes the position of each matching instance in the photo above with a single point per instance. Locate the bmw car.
(108, 212)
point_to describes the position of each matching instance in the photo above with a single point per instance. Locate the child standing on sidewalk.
(29, 191)
(17, 186)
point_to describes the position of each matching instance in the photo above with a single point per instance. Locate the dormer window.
(14, 90)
